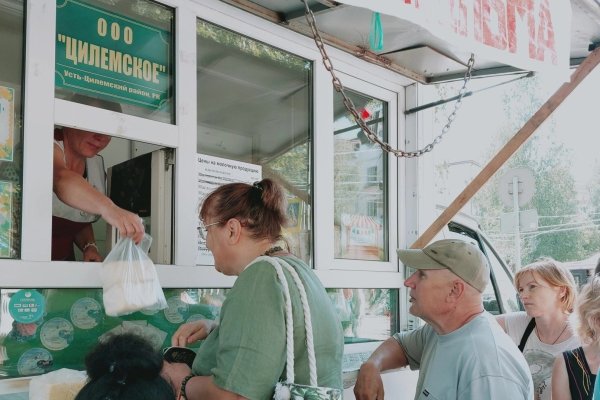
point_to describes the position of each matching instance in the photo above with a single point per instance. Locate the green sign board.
(107, 55)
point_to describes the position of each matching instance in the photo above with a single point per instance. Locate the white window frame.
(407, 200)
(324, 177)
(42, 111)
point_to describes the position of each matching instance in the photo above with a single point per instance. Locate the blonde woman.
(547, 290)
(572, 376)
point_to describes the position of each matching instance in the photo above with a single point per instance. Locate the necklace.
(272, 250)
(558, 337)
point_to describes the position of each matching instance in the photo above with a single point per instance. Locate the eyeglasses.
(203, 229)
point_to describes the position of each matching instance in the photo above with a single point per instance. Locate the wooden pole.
(591, 61)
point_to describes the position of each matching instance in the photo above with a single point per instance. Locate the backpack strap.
(526, 334)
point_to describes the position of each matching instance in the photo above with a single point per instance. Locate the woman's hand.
(91, 254)
(85, 240)
(127, 223)
(174, 373)
(191, 332)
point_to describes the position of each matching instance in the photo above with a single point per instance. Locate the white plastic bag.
(62, 384)
(129, 279)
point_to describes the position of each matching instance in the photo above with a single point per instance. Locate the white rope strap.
(289, 322)
(310, 345)
(312, 361)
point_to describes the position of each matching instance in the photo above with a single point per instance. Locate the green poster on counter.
(67, 323)
(104, 54)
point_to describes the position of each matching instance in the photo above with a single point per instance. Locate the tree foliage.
(555, 197)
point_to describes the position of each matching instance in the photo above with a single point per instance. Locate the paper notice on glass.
(214, 172)
(7, 122)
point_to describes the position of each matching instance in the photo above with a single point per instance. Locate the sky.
(578, 126)
(473, 133)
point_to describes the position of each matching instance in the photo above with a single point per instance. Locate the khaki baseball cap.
(462, 258)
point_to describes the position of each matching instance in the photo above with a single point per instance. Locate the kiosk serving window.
(11, 126)
(137, 177)
(119, 51)
(254, 120)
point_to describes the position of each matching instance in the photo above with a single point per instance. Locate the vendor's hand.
(127, 223)
(369, 385)
(193, 331)
(174, 373)
(91, 254)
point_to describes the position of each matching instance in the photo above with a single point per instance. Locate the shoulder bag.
(526, 334)
(288, 390)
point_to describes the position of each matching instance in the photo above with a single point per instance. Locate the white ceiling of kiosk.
(410, 46)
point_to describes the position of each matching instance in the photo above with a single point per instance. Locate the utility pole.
(515, 196)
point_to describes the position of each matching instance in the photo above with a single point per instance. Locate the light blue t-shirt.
(476, 361)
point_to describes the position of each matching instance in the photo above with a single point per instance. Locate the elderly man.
(461, 353)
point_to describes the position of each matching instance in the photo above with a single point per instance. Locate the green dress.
(246, 353)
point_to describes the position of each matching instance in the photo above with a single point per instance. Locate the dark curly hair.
(125, 366)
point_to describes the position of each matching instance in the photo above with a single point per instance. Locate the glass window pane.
(11, 126)
(56, 328)
(360, 181)
(117, 50)
(504, 281)
(254, 107)
(490, 300)
(366, 314)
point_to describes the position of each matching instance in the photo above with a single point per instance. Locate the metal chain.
(339, 87)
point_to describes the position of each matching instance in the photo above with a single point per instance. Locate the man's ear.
(234, 231)
(458, 288)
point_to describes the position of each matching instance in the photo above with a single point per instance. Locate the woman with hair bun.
(125, 367)
(573, 374)
(244, 355)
